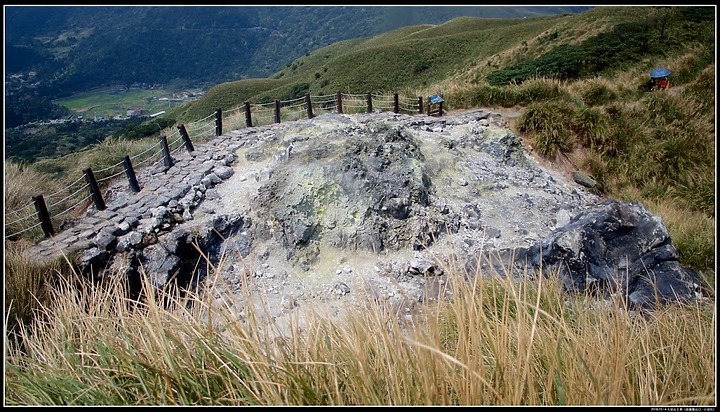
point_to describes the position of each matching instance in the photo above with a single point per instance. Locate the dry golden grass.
(499, 341)
(26, 283)
(22, 182)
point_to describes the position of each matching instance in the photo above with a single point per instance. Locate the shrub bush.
(550, 126)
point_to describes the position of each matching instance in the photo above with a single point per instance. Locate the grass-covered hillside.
(407, 59)
(577, 85)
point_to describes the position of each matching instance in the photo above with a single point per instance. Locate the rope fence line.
(176, 141)
(293, 106)
(292, 100)
(109, 167)
(263, 114)
(328, 109)
(83, 200)
(177, 149)
(354, 106)
(200, 129)
(325, 103)
(176, 132)
(270, 104)
(145, 151)
(209, 130)
(157, 162)
(85, 186)
(260, 109)
(148, 159)
(66, 188)
(73, 192)
(151, 155)
(26, 217)
(17, 212)
(104, 179)
(162, 151)
(232, 111)
(409, 106)
(262, 119)
(22, 231)
(203, 119)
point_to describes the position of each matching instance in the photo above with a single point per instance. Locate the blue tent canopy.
(659, 72)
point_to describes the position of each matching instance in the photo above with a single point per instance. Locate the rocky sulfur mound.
(341, 209)
(357, 188)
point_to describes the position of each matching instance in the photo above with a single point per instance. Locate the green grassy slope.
(227, 96)
(464, 49)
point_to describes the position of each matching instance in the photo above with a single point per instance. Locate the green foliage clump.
(695, 243)
(590, 125)
(485, 95)
(550, 125)
(297, 90)
(597, 92)
(690, 67)
(537, 90)
(564, 62)
(541, 90)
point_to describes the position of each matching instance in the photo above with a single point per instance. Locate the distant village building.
(134, 112)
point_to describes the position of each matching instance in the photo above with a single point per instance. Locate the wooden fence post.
(43, 215)
(168, 161)
(420, 105)
(338, 99)
(308, 103)
(134, 186)
(248, 118)
(396, 103)
(277, 111)
(440, 109)
(186, 138)
(429, 107)
(369, 102)
(94, 189)
(218, 121)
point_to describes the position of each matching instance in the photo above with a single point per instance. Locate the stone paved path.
(159, 187)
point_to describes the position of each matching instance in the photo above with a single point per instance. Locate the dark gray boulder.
(612, 247)
(583, 179)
